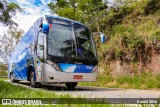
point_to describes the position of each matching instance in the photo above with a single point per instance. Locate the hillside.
(134, 39)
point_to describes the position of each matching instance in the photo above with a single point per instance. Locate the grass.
(2, 79)
(138, 81)
(103, 81)
(12, 91)
(143, 81)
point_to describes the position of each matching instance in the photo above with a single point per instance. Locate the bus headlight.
(56, 66)
(95, 68)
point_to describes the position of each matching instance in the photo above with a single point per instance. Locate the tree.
(7, 11)
(9, 41)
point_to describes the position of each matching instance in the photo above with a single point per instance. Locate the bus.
(55, 50)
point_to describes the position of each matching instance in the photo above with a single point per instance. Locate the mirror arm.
(102, 36)
(96, 33)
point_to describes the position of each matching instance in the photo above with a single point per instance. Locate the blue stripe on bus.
(76, 68)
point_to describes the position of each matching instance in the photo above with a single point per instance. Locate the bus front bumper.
(52, 76)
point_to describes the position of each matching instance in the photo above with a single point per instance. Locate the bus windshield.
(70, 41)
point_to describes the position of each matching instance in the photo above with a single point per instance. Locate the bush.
(155, 36)
(3, 73)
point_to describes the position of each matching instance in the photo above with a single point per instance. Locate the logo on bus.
(88, 67)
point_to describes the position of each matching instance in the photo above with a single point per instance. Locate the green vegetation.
(2, 79)
(3, 70)
(136, 34)
(143, 81)
(12, 91)
(3, 67)
(3, 73)
(139, 81)
(7, 11)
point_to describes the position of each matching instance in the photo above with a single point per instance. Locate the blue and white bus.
(55, 50)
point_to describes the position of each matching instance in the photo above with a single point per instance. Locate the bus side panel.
(26, 60)
(22, 58)
(22, 54)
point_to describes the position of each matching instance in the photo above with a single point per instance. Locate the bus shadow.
(61, 87)
(78, 88)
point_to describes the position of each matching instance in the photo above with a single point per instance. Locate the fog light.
(51, 78)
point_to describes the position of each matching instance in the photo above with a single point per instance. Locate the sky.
(32, 10)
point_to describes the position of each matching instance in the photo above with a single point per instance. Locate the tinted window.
(84, 44)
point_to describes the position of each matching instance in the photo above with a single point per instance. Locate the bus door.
(39, 56)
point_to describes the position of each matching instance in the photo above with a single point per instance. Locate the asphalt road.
(96, 92)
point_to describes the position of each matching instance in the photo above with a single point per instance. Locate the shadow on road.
(62, 87)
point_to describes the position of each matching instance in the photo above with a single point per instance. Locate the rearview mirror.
(45, 27)
(102, 36)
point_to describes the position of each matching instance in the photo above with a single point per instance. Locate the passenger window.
(40, 46)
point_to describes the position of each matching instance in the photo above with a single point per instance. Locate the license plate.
(77, 77)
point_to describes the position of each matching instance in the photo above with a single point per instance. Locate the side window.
(40, 46)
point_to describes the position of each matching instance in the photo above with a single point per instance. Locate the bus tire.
(33, 83)
(71, 85)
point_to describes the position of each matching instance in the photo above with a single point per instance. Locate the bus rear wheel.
(71, 85)
(11, 79)
(33, 83)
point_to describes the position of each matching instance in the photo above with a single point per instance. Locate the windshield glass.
(66, 40)
(60, 41)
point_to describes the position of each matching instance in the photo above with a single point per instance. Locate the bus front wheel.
(33, 83)
(71, 85)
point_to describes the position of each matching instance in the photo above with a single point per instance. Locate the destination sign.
(60, 21)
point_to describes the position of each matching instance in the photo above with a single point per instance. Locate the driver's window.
(40, 45)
